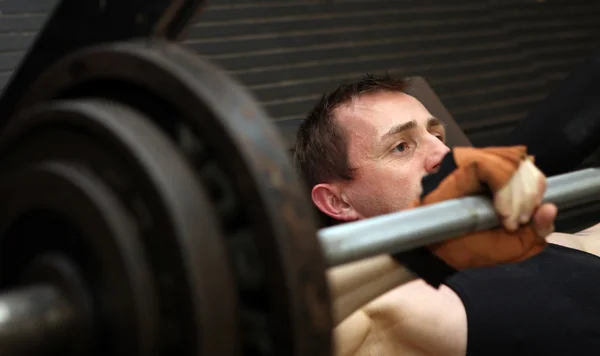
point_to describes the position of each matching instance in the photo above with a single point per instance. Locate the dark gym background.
(489, 61)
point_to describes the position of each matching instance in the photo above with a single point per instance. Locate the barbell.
(148, 206)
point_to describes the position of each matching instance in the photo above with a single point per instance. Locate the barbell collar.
(36, 320)
(402, 231)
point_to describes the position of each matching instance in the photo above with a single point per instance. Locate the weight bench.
(418, 88)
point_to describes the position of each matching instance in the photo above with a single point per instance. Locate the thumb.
(543, 219)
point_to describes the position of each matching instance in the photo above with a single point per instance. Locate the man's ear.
(328, 198)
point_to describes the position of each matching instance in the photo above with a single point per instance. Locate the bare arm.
(412, 318)
(587, 240)
(380, 308)
(355, 284)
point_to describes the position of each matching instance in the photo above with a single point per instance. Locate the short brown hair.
(320, 150)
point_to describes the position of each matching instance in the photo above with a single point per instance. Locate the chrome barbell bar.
(405, 230)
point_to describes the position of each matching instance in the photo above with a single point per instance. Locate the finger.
(543, 219)
(532, 183)
(506, 205)
(527, 197)
(507, 210)
(515, 201)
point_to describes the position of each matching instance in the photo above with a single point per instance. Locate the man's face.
(392, 141)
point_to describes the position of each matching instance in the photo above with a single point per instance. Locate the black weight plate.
(54, 208)
(239, 155)
(183, 246)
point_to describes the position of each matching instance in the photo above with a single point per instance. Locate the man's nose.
(436, 152)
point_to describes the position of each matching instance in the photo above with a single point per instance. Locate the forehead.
(374, 114)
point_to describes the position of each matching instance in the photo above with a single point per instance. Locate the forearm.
(587, 240)
(355, 284)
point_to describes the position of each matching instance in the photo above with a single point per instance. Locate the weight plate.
(49, 207)
(194, 288)
(261, 202)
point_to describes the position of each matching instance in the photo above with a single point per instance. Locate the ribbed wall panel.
(489, 61)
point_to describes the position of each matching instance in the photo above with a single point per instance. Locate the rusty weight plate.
(238, 154)
(102, 186)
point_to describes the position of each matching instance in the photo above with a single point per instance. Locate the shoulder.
(413, 318)
(419, 317)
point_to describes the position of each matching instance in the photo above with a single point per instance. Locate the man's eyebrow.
(409, 125)
(434, 121)
(395, 130)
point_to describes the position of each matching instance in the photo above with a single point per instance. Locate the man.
(364, 151)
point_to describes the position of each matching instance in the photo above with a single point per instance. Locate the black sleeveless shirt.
(547, 305)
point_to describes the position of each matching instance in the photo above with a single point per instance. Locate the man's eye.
(401, 147)
(440, 137)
